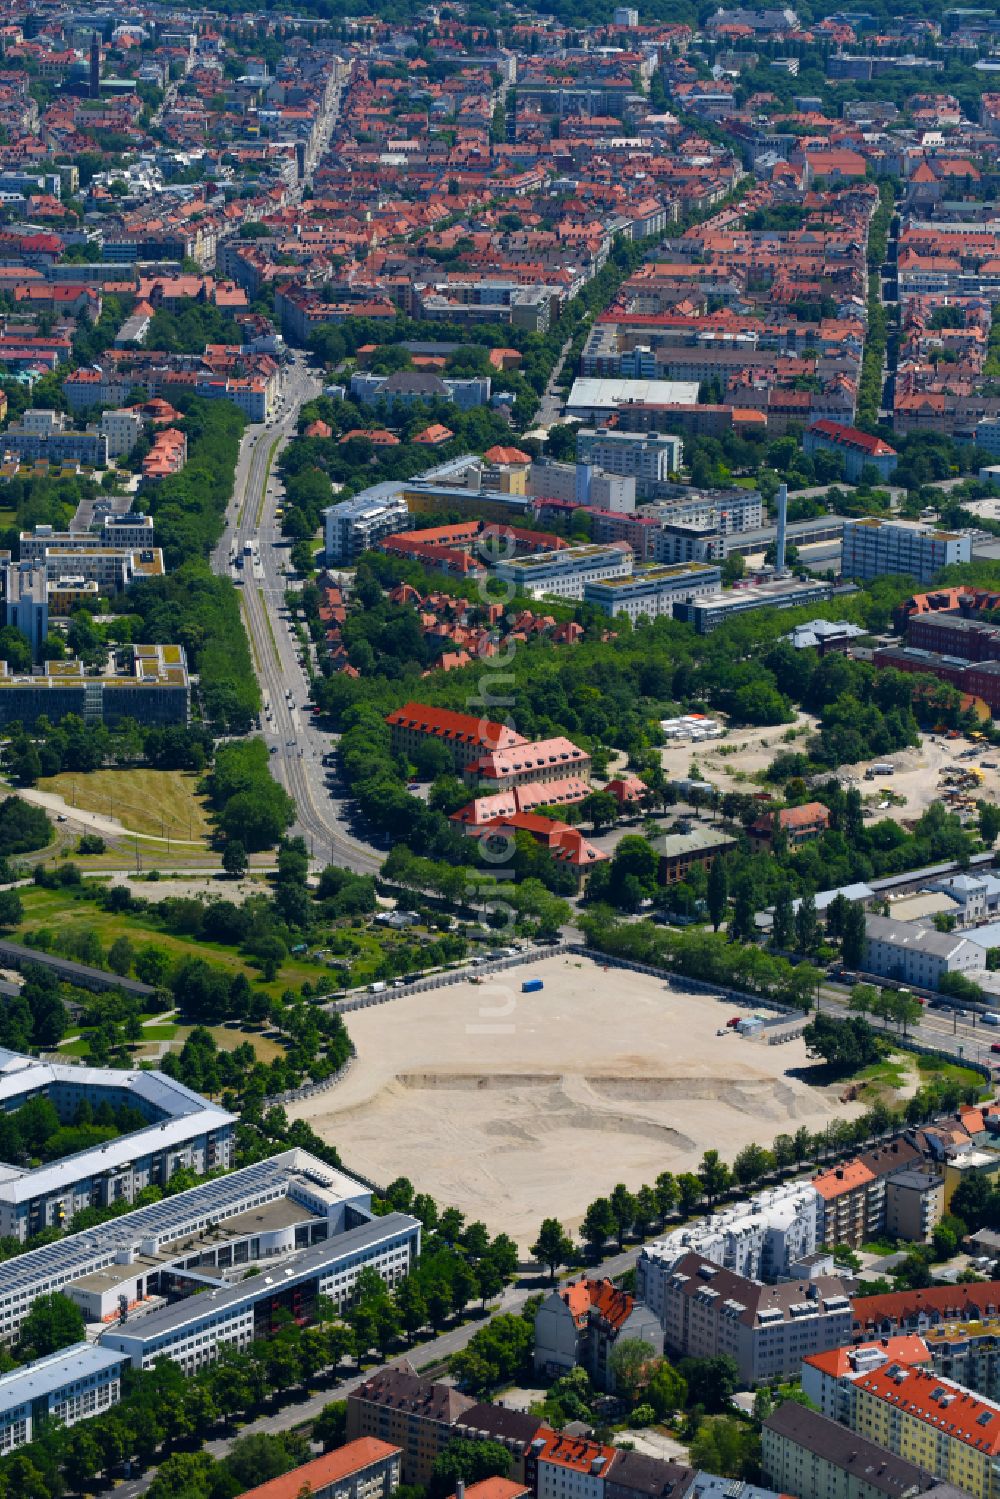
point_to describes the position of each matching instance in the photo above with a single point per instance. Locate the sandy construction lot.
(733, 762)
(514, 1106)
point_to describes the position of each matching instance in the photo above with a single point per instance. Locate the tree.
(598, 1225)
(863, 999)
(412, 1306)
(714, 1175)
(689, 1192)
(717, 892)
(259, 1457)
(11, 908)
(711, 1382)
(853, 939)
(726, 1446)
(845, 1045)
(623, 1210)
(470, 1461)
(553, 1247)
(234, 858)
(121, 956)
(752, 1162)
(782, 921)
(53, 1322)
(330, 1426)
(666, 1390)
(989, 822)
(629, 1365)
(806, 925)
(497, 1354)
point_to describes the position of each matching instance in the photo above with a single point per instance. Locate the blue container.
(531, 986)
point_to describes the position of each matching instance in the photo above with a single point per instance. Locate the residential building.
(917, 1311)
(652, 591)
(806, 1454)
(761, 1239)
(633, 1475)
(873, 548)
(965, 1164)
(64, 1387)
(828, 1378)
(406, 388)
(467, 737)
(916, 954)
(934, 1423)
(708, 613)
(569, 1467)
(766, 1330)
(26, 602)
(579, 1325)
(146, 682)
(45, 435)
(538, 762)
(679, 853)
(123, 429)
(859, 450)
(192, 1332)
(366, 1468)
(493, 1488)
(565, 573)
(183, 1131)
(398, 1406)
(798, 824)
(649, 457)
(515, 1430)
(354, 526)
(914, 1204)
(853, 1195)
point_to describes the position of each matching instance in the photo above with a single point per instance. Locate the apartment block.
(806, 1454)
(873, 548)
(356, 525)
(761, 1239)
(568, 1467)
(829, 1378)
(411, 1413)
(853, 1195)
(649, 457)
(768, 1330)
(679, 853)
(916, 1311)
(858, 450)
(580, 1324)
(65, 1387)
(933, 1423)
(363, 1469)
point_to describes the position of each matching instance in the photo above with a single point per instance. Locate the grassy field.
(157, 803)
(227, 1038)
(898, 1076)
(59, 910)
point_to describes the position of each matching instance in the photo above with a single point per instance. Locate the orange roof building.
(466, 735)
(363, 1469)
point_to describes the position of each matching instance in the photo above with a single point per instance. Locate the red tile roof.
(324, 1471)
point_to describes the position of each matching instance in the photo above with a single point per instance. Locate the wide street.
(252, 538)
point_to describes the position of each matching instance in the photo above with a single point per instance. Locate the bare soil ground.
(514, 1106)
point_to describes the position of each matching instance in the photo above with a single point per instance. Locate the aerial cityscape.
(500, 751)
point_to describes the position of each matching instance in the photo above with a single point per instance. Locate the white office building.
(192, 1332)
(356, 525)
(66, 1387)
(652, 591)
(183, 1130)
(209, 1235)
(873, 548)
(566, 573)
(918, 954)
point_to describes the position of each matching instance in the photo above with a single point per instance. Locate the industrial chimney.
(779, 550)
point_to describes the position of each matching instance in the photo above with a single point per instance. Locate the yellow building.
(933, 1422)
(973, 1162)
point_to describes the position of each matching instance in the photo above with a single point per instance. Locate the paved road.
(551, 405)
(964, 1037)
(253, 537)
